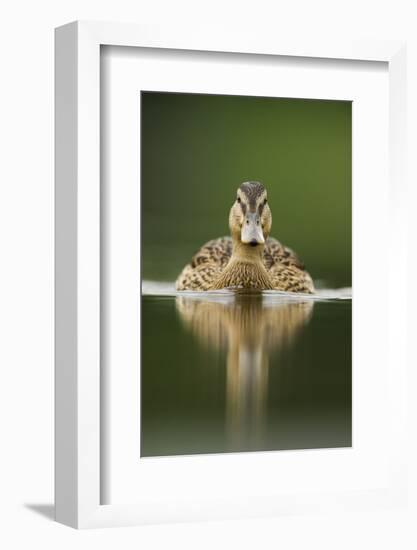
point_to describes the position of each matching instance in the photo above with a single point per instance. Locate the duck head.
(250, 217)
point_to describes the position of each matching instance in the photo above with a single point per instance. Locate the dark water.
(239, 372)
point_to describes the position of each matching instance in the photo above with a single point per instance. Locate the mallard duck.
(249, 258)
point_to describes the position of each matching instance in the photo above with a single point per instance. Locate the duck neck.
(246, 253)
(245, 269)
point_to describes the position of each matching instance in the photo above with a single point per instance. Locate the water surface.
(237, 371)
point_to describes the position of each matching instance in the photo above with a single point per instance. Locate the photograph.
(246, 273)
(208, 255)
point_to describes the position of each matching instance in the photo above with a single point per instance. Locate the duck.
(249, 258)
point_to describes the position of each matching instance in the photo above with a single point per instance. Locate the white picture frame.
(78, 292)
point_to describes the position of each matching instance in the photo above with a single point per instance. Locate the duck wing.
(206, 265)
(216, 252)
(285, 268)
(277, 253)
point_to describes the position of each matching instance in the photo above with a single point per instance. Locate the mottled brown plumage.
(249, 258)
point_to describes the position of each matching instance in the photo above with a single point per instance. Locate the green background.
(197, 149)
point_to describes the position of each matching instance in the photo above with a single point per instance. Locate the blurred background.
(197, 149)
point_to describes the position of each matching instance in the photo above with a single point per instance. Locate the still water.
(238, 371)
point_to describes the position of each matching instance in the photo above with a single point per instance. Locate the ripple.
(159, 288)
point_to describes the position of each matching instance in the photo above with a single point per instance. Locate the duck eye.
(265, 201)
(238, 199)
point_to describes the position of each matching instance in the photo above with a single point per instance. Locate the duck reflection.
(248, 327)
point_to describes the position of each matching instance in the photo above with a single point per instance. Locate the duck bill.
(252, 231)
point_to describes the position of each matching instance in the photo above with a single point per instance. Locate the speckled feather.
(284, 270)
